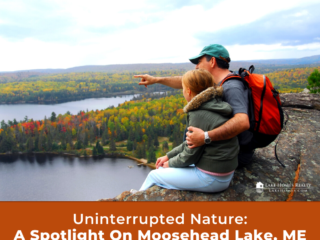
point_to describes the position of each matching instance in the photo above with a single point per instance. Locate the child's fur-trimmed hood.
(203, 97)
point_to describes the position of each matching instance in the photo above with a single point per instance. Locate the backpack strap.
(251, 69)
(275, 147)
(275, 94)
(235, 77)
(261, 102)
(242, 73)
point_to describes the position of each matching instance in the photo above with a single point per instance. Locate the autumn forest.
(146, 127)
(75, 86)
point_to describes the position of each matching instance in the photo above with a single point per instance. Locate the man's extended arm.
(173, 82)
(236, 125)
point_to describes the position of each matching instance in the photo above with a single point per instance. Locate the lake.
(47, 177)
(38, 111)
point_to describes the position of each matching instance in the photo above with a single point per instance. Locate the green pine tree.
(94, 151)
(49, 143)
(314, 82)
(151, 155)
(78, 145)
(129, 145)
(99, 148)
(165, 146)
(41, 140)
(112, 144)
(144, 150)
(105, 137)
(53, 117)
(86, 140)
(156, 142)
(30, 144)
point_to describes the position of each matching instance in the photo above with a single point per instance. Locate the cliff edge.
(298, 149)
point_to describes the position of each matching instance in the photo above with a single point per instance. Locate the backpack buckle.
(244, 74)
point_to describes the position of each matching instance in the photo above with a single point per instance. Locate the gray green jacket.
(207, 111)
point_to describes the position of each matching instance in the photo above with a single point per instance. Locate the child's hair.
(198, 80)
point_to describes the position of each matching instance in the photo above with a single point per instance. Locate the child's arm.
(186, 157)
(174, 152)
(182, 155)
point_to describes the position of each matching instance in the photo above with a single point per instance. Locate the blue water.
(47, 177)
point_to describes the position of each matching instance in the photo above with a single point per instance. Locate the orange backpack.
(265, 112)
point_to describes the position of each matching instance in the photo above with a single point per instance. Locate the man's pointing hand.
(146, 79)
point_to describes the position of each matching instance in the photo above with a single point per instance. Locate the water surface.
(47, 177)
(38, 111)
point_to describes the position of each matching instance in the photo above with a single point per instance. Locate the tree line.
(75, 86)
(138, 124)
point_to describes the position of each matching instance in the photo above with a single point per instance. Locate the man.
(215, 59)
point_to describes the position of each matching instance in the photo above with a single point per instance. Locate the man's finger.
(144, 83)
(138, 76)
(191, 146)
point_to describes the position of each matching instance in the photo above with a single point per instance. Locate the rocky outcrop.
(301, 100)
(298, 143)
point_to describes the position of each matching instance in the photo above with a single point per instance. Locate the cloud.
(272, 51)
(300, 14)
(37, 19)
(290, 27)
(67, 33)
(34, 54)
(69, 21)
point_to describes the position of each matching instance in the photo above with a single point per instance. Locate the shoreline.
(50, 102)
(140, 161)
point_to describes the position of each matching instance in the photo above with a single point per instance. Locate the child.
(208, 168)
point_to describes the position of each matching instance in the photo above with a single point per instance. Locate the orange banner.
(159, 220)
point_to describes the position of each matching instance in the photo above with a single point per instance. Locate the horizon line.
(119, 64)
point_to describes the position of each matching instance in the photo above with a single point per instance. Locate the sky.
(40, 34)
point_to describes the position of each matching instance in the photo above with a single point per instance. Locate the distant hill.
(292, 61)
(140, 67)
(261, 66)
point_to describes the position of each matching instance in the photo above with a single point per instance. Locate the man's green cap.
(214, 50)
